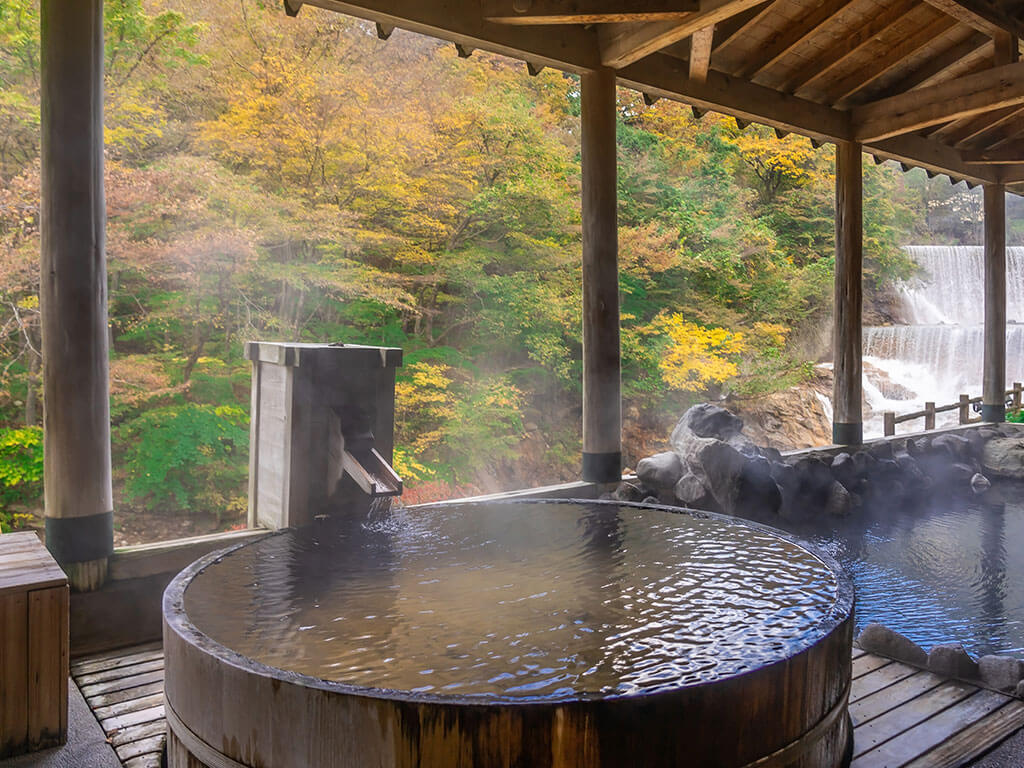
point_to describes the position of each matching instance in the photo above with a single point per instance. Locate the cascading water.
(938, 354)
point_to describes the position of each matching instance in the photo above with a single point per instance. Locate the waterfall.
(938, 354)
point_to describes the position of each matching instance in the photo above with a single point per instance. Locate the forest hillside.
(301, 179)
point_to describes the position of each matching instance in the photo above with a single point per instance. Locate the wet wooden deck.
(902, 716)
(125, 691)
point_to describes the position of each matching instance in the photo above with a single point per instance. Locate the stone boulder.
(1004, 457)
(1003, 673)
(660, 471)
(876, 638)
(952, 660)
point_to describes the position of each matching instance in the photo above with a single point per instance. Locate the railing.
(965, 405)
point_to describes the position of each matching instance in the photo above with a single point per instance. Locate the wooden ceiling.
(935, 84)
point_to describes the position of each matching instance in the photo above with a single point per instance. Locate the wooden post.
(965, 409)
(889, 423)
(847, 425)
(73, 292)
(1016, 395)
(929, 416)
(602, 422)
(993, 390)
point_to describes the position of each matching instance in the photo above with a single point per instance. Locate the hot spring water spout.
(361, 461)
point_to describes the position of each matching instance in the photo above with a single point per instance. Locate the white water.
(938, 354)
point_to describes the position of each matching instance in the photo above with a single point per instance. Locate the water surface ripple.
(524, 600)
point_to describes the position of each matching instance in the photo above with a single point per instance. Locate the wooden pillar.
(602, 408)
(993, 389)
(73, 292)
(847, 424)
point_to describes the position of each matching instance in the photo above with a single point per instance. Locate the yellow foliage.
(773, 333)
(423, 400)
(697, 357)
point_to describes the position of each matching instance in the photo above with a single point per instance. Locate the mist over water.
(938, 354)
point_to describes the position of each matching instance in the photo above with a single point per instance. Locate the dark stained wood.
(47, 667)
(993, 386)
(867, 707)
(13, 679)
(585, 11)
(73, 284)
(881, 678)
(847, 387)
(601, 352)
(974, 740)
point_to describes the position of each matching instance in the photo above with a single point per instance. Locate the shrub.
(21, 473)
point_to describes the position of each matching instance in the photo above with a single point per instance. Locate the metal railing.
(965, 405)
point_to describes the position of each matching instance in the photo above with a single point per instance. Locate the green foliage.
(21, 474)
(192, 457)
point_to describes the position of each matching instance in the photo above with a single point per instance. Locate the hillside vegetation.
(300, 179)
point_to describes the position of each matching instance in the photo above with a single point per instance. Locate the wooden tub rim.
(176, 619)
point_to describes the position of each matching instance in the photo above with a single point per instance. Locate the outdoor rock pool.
(952, 571)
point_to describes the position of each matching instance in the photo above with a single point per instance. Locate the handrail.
(963, 405)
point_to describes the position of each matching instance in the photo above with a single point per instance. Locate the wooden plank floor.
(902, 716)
(125, 690)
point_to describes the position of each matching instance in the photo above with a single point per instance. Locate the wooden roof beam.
(792, 35)
(570, 48)
(585, 11)
(1005, 156)
(623, 44)
(933, 69)
(667, 76)
(735, 30)
(845, 47)
(968, 129)
(964, 96)
(700, 53)
(980, 15)
(887, 61)
(932, 156)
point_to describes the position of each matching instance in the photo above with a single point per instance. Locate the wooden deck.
(125, 690)
(902, 716)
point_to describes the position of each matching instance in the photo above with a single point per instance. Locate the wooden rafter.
(585, 11)
(843, 92)
(845, 48)
(700, 53)
(969, 130)
(933, 69)
(623, 44)
(735, 29)
(1004, 156)
(965, 96)
(980, 15)
(791, 36)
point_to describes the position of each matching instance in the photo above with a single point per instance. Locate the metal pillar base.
(602, 467)
(847, 434)
(993, 412)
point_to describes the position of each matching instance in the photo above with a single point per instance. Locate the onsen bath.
(519, 633)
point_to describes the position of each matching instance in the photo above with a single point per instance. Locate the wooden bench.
(33, 646)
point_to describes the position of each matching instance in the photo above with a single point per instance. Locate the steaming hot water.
(938, 354)
(539, 601)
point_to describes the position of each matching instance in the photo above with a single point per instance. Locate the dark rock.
(662, 470)
(922, 445)
(815, 475)
(758, 495)
(607, 496)
(864, 463)
(691, 491)
(955, 446)
(652, 500)
(1010, 430)
(707, 420)
(952, 660)
(772, 454)
(1000, 672)
(881, 450)
(910, 472)
(629, 492)
(839, 500)
(1019, 693)
(959, 473)
(1004, 457)
(788, 483)
(980, 484)
(844, 470)
(878, 639)
(987, 433)
(975, 441)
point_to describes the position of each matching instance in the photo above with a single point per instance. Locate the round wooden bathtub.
(787, 707)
